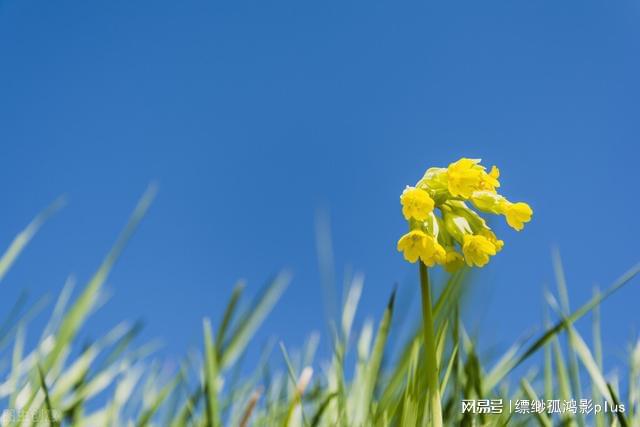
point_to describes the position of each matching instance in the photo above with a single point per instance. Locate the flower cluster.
(459, 234)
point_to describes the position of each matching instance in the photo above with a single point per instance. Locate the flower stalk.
(431, 364)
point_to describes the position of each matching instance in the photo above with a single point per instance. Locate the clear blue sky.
(252, 115)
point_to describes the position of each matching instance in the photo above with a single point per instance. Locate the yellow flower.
(416, 203)
(433, 252)
(464, 177)
(517, 214)
(467, 175)
(477, 250)
(495, 174)
(444, 213)
(412, 245)
(490, 180)
(499, 244)
(418, 244)
(453, 261)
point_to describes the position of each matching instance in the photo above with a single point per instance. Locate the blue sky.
(251, 116)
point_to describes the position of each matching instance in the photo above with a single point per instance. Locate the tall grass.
(113, 382)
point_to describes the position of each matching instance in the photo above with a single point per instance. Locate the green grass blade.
(59, 308)
(16, 318)
(410, 407)
(227, 317)
(315, 420)
(16, 358)
(188, 409)
(619, 414)
(501, 367)
(563, 292)
(77, 314)
(600, 420)
(49, 409)
(562, 324)
(586, 357)
(13, 317)
(542, 417)
(211, 369)
(634, 385)
(287, 360)
(548, 361)
(122, 394)
(77, 371)
(252, 320)
(448, 370)
(156, 402)
(351, 305)
(373, 365)
(296, 395)
(324, 249)
(22, 239)
(562, 377)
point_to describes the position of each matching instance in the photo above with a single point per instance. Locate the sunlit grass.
(111, 382)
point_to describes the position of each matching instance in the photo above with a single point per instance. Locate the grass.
(114, 382)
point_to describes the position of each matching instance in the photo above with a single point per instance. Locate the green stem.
(433, 386)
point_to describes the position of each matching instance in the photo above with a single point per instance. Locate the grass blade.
(373, 364)
(227, 317)
(22, 239)
(211, 377)
(249, 324)
(563, 292)
(542, 417)
(49, 409)
(562, 324)
(76, 315)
